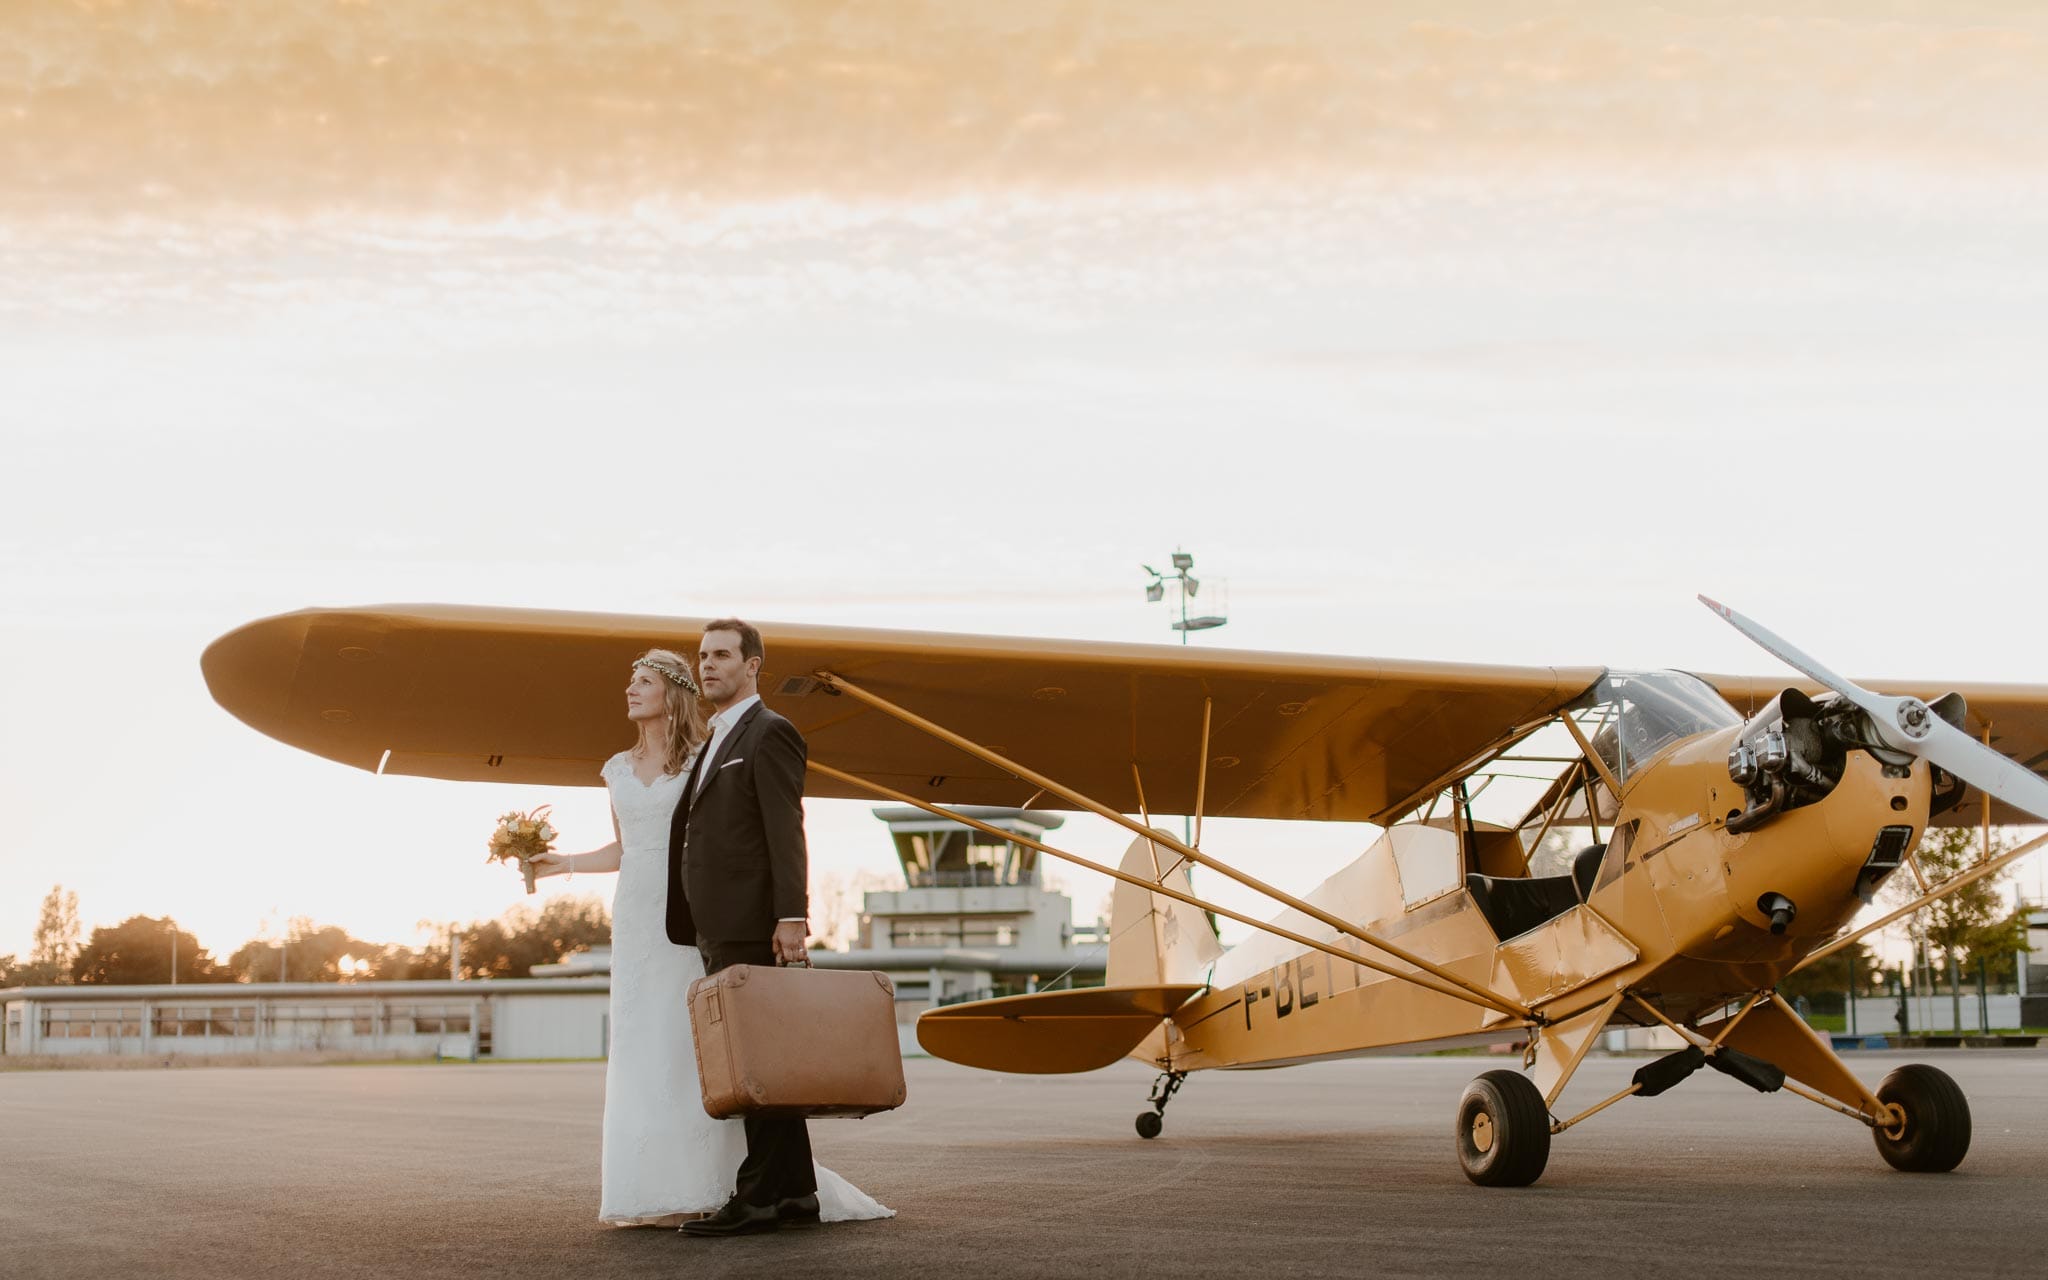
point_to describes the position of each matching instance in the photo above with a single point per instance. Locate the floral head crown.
(668, 672)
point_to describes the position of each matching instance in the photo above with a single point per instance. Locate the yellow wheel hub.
(1895, 1126)
(1482, 1132)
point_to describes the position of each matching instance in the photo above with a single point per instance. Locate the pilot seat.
(1513, 905)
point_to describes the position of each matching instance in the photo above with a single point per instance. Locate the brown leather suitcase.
(796, 1042)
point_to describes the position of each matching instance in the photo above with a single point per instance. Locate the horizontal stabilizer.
(1050, 1032)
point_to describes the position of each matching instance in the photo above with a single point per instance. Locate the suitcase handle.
(712, 1012)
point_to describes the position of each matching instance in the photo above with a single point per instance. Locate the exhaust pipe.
(1779, 908)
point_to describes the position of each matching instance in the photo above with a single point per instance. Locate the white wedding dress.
(662, 1154)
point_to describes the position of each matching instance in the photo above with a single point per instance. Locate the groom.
(737, 872)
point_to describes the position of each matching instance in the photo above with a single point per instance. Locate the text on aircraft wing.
(509, 695)
(2011, 718)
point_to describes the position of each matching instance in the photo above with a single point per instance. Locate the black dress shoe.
(736, 1218)
(797, 1211)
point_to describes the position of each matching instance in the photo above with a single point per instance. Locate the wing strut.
(1484, 999)
(1477, 993)
(1940, 891)
(1146, 816)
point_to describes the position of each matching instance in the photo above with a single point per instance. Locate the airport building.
(973, 919)
(2033, 972)
(483, 1018)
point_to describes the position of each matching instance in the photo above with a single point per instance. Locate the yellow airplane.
(1565, 850)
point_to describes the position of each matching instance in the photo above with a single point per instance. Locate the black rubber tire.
(1506, 1111)
(1937, 1130)
(1150, 1123)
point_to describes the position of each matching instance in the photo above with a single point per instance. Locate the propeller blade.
(1775, 645)
(1983, 768)
(1910, 725)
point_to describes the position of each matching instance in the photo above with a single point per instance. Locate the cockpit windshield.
(1542, 788)
(1646, 711)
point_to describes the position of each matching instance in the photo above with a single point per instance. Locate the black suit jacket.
(736, 856)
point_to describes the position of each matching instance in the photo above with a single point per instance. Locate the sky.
(1486, 332)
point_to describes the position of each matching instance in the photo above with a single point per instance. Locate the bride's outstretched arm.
(558, 864)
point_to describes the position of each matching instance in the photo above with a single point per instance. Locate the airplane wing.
(510, 695)
(2014, 716)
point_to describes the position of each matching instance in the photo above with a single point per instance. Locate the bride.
(664, 1159)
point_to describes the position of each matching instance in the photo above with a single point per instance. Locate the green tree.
(55, 946)
(507, 947)
(511, 945)
(1975, 922)
(396, 963)
(311, 953)
(255, 961)
(138, 950)
(2001, 965)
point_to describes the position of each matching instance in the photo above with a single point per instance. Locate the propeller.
(1910, 725)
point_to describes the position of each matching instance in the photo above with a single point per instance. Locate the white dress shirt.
(721, 725)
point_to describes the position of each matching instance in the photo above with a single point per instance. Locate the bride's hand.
(550, 864)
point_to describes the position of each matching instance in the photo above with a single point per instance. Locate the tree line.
(140, 949)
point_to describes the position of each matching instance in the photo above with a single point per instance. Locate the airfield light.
(1189, 586)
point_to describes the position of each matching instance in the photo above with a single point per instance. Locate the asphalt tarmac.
(1333, 1169)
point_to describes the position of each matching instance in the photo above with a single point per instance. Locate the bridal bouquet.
(522, 837)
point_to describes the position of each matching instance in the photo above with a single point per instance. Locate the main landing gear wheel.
(1151, 1122)
(1932, 1135)
(1503, 1130)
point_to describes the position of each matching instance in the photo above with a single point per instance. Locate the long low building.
(565, 1014)
(500, 1018)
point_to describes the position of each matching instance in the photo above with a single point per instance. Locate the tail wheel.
(1503, 1130)
(1150, 1123)
(1931, 1129)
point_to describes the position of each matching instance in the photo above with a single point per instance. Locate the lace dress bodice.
(640, 944)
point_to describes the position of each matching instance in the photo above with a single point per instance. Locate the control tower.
(974, 918)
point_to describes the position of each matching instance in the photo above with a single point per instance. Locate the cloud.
(116, 111)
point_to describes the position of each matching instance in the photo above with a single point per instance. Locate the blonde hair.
(685, 714)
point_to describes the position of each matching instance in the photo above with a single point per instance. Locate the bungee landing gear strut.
(1163, 1089)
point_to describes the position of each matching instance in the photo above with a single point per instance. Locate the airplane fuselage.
(1675, 914)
